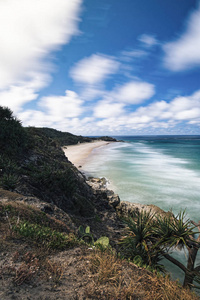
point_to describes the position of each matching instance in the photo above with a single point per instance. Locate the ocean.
(159, 170)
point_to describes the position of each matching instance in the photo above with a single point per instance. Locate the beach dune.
(78, 153)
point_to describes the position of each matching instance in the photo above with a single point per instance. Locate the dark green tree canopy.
(12, 134)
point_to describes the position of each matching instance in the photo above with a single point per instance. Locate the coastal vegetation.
(34, 164)
(151, 238)
(56, 231)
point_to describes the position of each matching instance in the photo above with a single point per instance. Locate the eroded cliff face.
(44, 172)
(122, 208)
(39, 170)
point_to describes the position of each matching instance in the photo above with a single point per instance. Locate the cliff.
(43, 201)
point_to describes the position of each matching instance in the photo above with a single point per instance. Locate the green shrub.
(9, 181)
(45, 236)
(51, 177)
(13, 137)
(139, 242)
(102, 243)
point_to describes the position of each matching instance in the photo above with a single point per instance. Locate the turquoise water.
(160, 170)
(164, 171)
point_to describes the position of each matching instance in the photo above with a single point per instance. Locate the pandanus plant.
(153, 237)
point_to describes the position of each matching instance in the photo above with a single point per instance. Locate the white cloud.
(29, 31)
(67, 113)
(160, 115)
(54, 111)
(134, 92)
(35, 118)
(17, 95)
(186, 108)
(148, 40)
(94, 69)
(189, 114)
(91, 93)
(128, 56)
(59, 107)
(179, 109)
(108, 109)
(184, 53)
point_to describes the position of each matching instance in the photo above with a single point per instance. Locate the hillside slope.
(43, 201)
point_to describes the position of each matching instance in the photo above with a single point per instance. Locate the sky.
(102, 67)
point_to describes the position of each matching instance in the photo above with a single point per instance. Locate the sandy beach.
(77, 154)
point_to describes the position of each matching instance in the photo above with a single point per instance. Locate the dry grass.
(54, 271)
(11, 211)
(23, 268)
(115, 279)
(99, 275)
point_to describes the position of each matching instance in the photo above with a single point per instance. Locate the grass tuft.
(113, 278)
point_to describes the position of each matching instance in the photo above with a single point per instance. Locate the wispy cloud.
(107, 109)
(128, 56)
(178, 110)
(114, 117)
(30, 31)
(134, 92)
(184, 52)
(160, 115)
(60, 107)
(54, 110)
(94, 69)
(15, 96)
(148, 40)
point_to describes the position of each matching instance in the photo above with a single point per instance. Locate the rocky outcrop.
(99, 186)
(123, 208)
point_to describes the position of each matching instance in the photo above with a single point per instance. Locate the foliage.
(50, 177)
(140, 239)
(7, 165)
(33, 163)
(102, 242)
(151, 238)
(8, 181)
(86, 236)
(62, 138)
(12, 135)
(175, 231)
(45, 236)
(27, 214)
(9, 173)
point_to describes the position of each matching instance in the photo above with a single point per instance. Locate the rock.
(47, 208)
(100, 190)
(114, 200)
(125, 209)
(81, 176)
(97, 183)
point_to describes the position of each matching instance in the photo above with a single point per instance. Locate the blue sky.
(102, 67)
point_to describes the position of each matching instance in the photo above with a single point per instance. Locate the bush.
(45, 236)
(13, 137)
(9, 182)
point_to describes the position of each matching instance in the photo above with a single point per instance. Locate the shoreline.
(77, 154)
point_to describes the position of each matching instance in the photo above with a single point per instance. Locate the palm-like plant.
(175, 231)
(153, 237)
(140, 239)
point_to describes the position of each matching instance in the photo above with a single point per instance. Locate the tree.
(182, 236)
(153, 237)
(12, 134)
